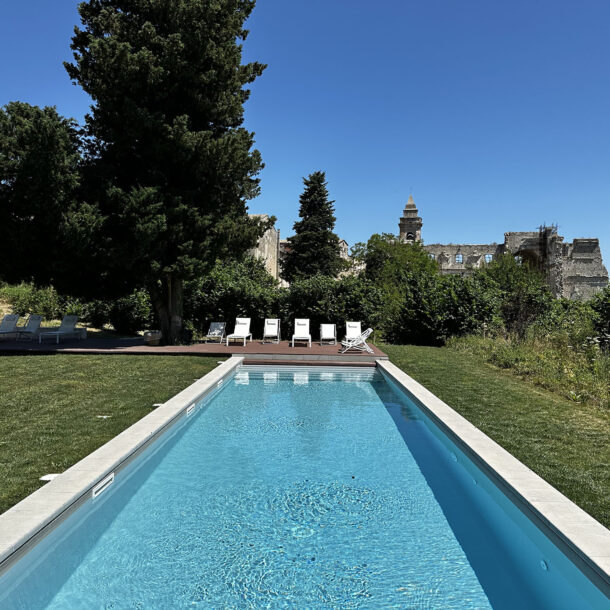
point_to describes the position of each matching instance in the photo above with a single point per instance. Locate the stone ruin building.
(573, 270)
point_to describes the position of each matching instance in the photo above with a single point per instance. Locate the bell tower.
(410, 223)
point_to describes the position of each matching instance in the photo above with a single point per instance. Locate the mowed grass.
(49, 407)
(566, 443)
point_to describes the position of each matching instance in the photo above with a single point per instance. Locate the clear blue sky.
(496, 115)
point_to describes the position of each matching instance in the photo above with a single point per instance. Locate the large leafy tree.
(314, 248)
(170, 165)
(39, 175)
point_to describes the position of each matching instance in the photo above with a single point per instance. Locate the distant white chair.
(31, 329)
(352, 330)
(216, 332)
(272, 330)
(301, 331)
(358, 343)
(242, 330)
(8, 326)
(328, 334)
(66, 329)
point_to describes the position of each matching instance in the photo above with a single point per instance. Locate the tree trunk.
(168, 298)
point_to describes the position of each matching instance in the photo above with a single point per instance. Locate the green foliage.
(232, 289)
(579, 374)
(314, 248)
(39, 159)
(26, 299)
(436, 307)
(169, 165)
(392, 264)
(323, 299)
(523, 292)
(600, 305)
(131, 313)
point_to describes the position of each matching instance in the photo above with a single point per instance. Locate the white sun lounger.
(328, 334)
(301, 331)
(8, 326)
(272, 330)
(358, 343)
(67, 328)
(242, 330)
(31, 329)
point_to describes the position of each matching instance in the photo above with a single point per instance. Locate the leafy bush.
(523, 292)
(232, 289)
(325, 300)
(132, 313)
(600, 304)
(26, 299)
(436, 307)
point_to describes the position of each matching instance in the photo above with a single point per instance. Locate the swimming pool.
(300, 488)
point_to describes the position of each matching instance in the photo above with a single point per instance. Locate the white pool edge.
(588, 539)
(24, 524)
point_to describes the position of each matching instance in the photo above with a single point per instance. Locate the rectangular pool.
(300, 488)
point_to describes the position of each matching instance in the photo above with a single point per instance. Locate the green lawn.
(49, 407)
(566, 443)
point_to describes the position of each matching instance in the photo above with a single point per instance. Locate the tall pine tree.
(170, 167)
(314, 248)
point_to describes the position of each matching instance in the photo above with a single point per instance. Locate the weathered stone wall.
(460, 259)
(584, 273)
(268, 248)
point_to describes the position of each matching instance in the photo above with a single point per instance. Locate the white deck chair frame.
(241, 331)
(328, 334)
(67, 328)
(271, 330)
(301, 331)
(216, 332)
(358, 343)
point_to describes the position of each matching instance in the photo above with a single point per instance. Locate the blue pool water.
(306, 489)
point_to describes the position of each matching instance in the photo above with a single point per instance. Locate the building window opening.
(410, 237)
(432, 255)
(459, 259)
(488, 258)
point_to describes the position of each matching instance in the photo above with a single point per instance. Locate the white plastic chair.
(8, 326)
(358, 343)
(67, 328)
(301, 331)
(328, 334)
(242, 330)
(272, 330)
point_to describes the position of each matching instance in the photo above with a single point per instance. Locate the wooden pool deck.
(254, 352)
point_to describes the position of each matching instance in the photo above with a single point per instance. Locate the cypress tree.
(170, 166)
(314, 248)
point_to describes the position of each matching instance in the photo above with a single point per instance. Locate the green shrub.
(26, 299)
(132, 313)
(232, 289)
(436, 307)
(323, 299)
